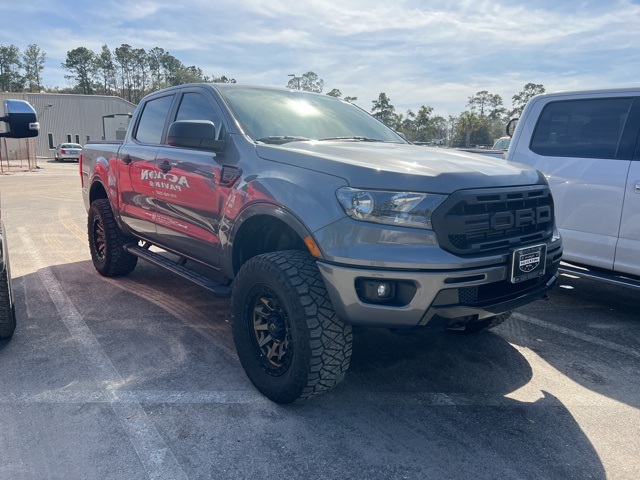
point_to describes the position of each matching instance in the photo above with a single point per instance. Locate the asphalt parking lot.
(137, 377)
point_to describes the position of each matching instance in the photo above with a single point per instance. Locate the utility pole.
(296, 78)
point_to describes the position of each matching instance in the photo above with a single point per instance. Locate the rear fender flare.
(105, 175)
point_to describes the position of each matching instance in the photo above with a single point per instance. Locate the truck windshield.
(281, 116)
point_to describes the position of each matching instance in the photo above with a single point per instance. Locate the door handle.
(164, 166)
(637, 189)
(127, 159)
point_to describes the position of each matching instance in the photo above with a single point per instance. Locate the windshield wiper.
(355, 139)
(280, 139)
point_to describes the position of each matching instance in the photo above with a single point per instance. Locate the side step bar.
(594, 274)
(218, 289)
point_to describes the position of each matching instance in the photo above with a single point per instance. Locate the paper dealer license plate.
(528, 263)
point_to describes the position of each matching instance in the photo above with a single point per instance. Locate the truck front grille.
(494, 220)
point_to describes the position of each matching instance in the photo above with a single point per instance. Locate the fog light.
(375, 291)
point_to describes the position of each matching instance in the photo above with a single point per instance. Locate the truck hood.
(392, 166)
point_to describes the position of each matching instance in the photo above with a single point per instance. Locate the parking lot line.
(151, 449)
(579, 335)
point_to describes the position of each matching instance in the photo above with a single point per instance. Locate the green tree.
(496, 108)
(309, 82)
(81, 64)
(384, 111)
(335, 93)
(471, 130)
(520, 99)
(33, 63)
(191, 74)
(350, 99)
(491, 117)
(171, 69)
(452, 125)
(155, 56)
(408, 126)
(424, 124)
(10, 78)
(441, 128)
(125, 62)
(486, 105)
(141, 73)
(222, 79)
(106, 69)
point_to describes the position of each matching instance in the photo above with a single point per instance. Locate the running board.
(603, 276)
(217, 288)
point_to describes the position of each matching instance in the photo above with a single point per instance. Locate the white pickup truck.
(21, 122)
(587, 144)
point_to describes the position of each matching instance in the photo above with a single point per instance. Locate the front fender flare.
(250, 211)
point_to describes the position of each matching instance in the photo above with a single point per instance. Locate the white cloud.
(419, 52)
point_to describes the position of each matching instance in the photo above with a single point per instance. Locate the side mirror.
(511, 126)
(197, 134)
(21, 119)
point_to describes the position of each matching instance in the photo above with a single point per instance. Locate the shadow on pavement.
(425, 405)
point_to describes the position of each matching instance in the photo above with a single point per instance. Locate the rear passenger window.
(581, 128)
(152, 120)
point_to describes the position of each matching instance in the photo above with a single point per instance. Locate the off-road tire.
(7, 308)
(107, 241)
(284, 293)
(486, 323)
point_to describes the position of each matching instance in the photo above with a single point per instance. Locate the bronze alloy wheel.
(107, 241)
(271, 332)
(99, 238)
(289, 340)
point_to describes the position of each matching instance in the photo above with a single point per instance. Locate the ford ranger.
(315, 217)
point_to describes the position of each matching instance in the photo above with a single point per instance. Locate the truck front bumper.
(423, 297)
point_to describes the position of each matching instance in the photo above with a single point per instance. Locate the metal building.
(70, 117)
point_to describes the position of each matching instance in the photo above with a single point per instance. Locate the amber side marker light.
(313, 248)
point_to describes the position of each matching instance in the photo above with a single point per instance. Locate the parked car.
(587, 143)
(502, 144)
(20, 118)
(498, 150)
(68, 151)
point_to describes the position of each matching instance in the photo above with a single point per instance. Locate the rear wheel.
(107, 241)
(7, 309)
(289, 340)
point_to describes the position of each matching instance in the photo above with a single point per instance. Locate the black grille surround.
(494, 220)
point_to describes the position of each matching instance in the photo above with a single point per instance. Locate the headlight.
(405, 209)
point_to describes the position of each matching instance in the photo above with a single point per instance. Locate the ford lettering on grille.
(494, 220)
(520, 218)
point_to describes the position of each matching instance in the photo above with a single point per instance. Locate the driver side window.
(195, 106)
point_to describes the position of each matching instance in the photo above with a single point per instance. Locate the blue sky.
(435, 53)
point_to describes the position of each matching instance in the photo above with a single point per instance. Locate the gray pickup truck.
(21, 122)
(314, 217)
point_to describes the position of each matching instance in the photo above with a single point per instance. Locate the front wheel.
(288, 338)
(107, 241)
